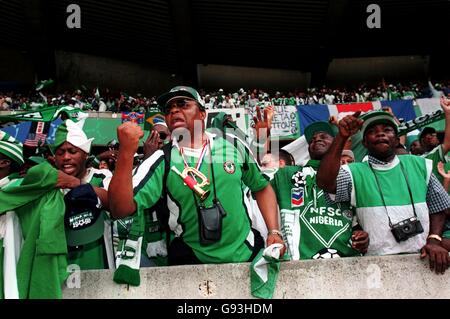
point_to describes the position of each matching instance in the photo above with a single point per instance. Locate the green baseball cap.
(377, 117)
(315, 127)
(177, 92)
(83, 219)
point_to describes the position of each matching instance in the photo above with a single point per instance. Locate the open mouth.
(68, 169)
(382, 142)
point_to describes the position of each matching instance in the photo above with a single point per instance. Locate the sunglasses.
(163, 135)
(178, 103)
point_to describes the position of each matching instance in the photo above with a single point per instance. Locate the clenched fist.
(350, 124)
(129, 135)
(445, 104)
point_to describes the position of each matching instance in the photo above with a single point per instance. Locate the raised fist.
(445, 104)
(129, 135)
(350, 124)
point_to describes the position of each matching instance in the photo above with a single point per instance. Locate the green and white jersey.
(232, 166)
(98, 254)
(393, 180)
(312, 228)
(97, 177)
(437, 155)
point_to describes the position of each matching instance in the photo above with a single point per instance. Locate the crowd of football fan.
(106, 100)
(389, 203)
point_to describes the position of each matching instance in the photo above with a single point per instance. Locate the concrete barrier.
(400, 276)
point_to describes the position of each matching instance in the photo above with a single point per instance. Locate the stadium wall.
(371, 70)
(227, 77)
(397, 276)
(76, 69)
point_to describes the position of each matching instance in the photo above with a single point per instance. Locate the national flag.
(402, 109)
(150, 118)
(37, 135)
(135, 117)
(322, 112)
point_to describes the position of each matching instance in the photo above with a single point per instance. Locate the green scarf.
(128, 256)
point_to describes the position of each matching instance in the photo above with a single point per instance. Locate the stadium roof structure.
(176, 35)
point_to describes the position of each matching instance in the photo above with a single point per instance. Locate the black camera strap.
(381, 192)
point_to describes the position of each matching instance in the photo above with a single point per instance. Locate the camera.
(406, 229)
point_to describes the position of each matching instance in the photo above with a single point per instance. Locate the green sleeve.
(148, 182)
(251, 173)
(39, 180)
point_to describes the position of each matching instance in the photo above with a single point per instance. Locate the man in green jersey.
(398, 200)
(312, 227)
(210, 222)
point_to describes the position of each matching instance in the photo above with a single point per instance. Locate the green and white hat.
(71, 132)
(377, 117)
(11, 148)
(177, 92)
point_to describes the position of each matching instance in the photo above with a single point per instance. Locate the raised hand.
(442, 172)
(445, 104)
(151, 144)
(350, 124)
(129, 135)
(263, 123)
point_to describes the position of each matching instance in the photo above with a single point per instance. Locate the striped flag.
(37, 135)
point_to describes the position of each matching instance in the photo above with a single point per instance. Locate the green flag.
(46, 114)
(264, 271)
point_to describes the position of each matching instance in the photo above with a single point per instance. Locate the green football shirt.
(233, 166)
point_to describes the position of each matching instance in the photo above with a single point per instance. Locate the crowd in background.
(105, 100)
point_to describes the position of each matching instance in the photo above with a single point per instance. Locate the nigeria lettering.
(325, 220)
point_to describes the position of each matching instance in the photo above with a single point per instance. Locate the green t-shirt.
(232, 165)
(313, 229)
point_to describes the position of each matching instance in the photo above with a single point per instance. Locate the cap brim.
(87, 235)
(319, 127)
(427, 130)
(374, 121)
(166, 97)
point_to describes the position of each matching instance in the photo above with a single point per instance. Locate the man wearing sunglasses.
(226, 164)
